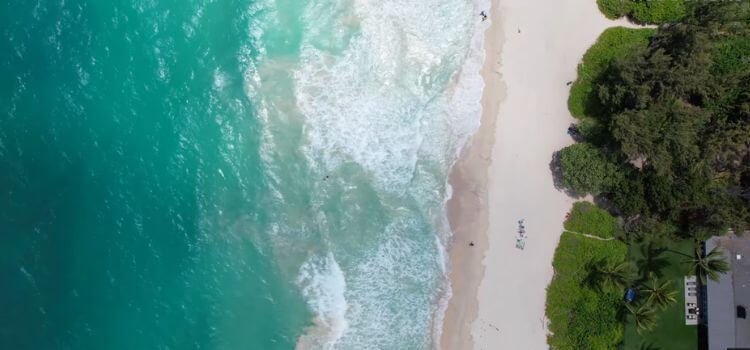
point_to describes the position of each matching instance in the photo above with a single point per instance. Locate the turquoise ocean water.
(229, 174)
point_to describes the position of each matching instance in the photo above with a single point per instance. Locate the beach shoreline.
(467, 207)
(503, 175)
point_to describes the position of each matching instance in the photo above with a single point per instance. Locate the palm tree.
(710, 265)
(644, 315)
(647, 346)
(660, 294)
(614, 274)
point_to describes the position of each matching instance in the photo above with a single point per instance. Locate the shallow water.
(229, 174)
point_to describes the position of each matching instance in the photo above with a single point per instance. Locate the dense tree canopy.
(587, 169)
(677, 115)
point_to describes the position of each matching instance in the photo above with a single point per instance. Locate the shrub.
(586, 169)
(614, 9)
(657, 11)
(732, 55)
(644, 11)
(580, 317)
(587, 218)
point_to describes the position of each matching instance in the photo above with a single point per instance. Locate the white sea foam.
(381, 100)
(444, 295)
(392, 87)
(323, 284)
(220, 79)
(389, 104)
(465, 103)
(390, 289)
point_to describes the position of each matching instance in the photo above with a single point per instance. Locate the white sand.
(529, 127)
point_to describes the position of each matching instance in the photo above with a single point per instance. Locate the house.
(727, 300)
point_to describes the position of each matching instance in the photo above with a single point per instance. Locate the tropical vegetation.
(657, 292)
(595, 264)
(587, 218)
(664, 145)
(710, 265)
(612, 43)
(584, 314)
(666, 262)
(673, 138)
(644, 11)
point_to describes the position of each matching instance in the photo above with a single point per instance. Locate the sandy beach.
(532, 50)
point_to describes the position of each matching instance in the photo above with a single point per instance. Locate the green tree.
(662, 193)
(678, 110)
(628, 193)
(644, 315)
(665, 136)
(651, 229)
(586, 169)
(711, 265)
(606, 274)
(658, 293)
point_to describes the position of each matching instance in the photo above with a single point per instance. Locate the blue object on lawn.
(630, 295)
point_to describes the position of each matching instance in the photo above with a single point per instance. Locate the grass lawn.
(670, 331)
